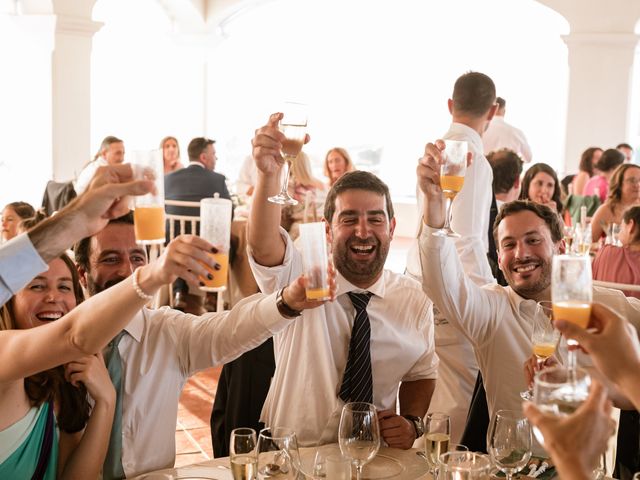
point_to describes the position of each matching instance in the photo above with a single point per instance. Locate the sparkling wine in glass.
(572, 294)
(359, 434)
(278, 454)
(242, 454)
(294, 127)
(452, 171)
(436, 438)
(509, 441)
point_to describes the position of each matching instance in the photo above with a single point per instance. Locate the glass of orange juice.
(572, 294)
(452, 171)
(314, 258)
(148, 213)
(215, 227)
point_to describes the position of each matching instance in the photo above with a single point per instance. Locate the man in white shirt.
(28, 254)
(313, 360)
(472, 106)
(501, 135)
(111, 153)
(498, 320)
(161, 348)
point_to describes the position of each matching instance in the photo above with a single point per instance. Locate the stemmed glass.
(452, 171)
(294, 127)
(242, 454)
(359, 434)
(509, 441)
(545, 338)
(437, 436)
(572, 294)
(463, 466)
(569, 234)
(278, 454)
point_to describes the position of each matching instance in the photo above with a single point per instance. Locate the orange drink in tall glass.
(215, 227)
(148, 211)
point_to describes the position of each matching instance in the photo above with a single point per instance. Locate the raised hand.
(267, 144)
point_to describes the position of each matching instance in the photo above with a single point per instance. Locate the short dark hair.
(610, 160)
(82, 249)
(197, 146)
(624, 145)
(550, 217)
(633, 213)
(507, 167)
(501, 102)
(529, 176)
(474, 93)
(586, 160)
(356, 180)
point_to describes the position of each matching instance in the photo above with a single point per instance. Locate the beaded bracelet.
(137, 288)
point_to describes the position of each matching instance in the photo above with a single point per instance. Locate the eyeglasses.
(632, 181)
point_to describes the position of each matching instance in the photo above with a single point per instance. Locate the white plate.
(381, 467)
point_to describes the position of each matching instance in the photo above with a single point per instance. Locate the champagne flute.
(278, 454)
(572, 294)
(560, 391)
(569, 233)
(452, 171)
(545, 338)
(437, 436)
(509, 441)
(294, 127)
(359, 434)
(242, 454)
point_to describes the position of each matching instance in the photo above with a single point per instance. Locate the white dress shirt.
(248, 176)
(162, 349)
(496, 320)
(20, 262)
(311, 354)
(500, 135)
(87, 173)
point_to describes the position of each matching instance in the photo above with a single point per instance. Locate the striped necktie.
(357, 383)
(112, 468)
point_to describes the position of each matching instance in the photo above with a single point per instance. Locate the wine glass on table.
(242, 454)
(437, 435)
(278, 454)
(572, 294)
(359, 434)
(544, 339)
(294, 127)
(509, 441)
(452, 171)
(569, 233)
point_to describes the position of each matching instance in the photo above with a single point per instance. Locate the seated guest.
(380, 325)
(507, 167)
(627, 150)
(540, 185)
(46, 402)
(622, 264)
(588, 160)
(12, 214)
(624, 192)
(111, 152)
(160, 349)
(337, 162)
(496, 319)
(599, 183)
(170, 154)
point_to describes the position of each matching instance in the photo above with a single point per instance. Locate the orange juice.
(219, 276)
(291, 147)
(451, 185)
(149, 224)
(317, 293)
(544, 350)
(574, 312)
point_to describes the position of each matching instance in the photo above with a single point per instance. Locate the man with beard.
(374, 343)
(496, 319)
(160, 349)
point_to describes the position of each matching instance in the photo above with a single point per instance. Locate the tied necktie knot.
(357, 382)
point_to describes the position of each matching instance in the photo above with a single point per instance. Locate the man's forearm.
(415, 397)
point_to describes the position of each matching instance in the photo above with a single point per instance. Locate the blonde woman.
(337, 162)
(170, 154)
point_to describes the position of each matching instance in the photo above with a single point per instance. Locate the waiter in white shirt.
(501, 135)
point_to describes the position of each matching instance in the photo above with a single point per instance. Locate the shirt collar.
(524, 306)
(461, 129)
(135, 328)
(377, 289)
(195, 162)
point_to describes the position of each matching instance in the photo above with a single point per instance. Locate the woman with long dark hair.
(540, 185)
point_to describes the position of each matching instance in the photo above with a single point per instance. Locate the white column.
(600, 76)
(71, 99)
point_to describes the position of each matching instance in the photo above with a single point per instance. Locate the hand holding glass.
(452, 172)
(359, 434)
(215, 227)
(242, 454)
(314, 258)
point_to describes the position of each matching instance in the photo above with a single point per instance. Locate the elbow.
(81, 344)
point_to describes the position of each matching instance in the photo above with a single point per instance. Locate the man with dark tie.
(374, 343)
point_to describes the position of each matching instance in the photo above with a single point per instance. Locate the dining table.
(388, 463)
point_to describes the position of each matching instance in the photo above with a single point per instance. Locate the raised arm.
(89, 326)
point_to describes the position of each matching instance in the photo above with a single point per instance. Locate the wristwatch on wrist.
(285, 310)
(418, 424)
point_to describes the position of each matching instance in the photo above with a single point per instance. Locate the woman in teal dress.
(43, 417)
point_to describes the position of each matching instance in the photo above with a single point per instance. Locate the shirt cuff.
(428, 238)
(269, 315)
(19, 262)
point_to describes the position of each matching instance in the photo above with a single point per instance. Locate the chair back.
(573, 204)
(56, 196)
(181, 223)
